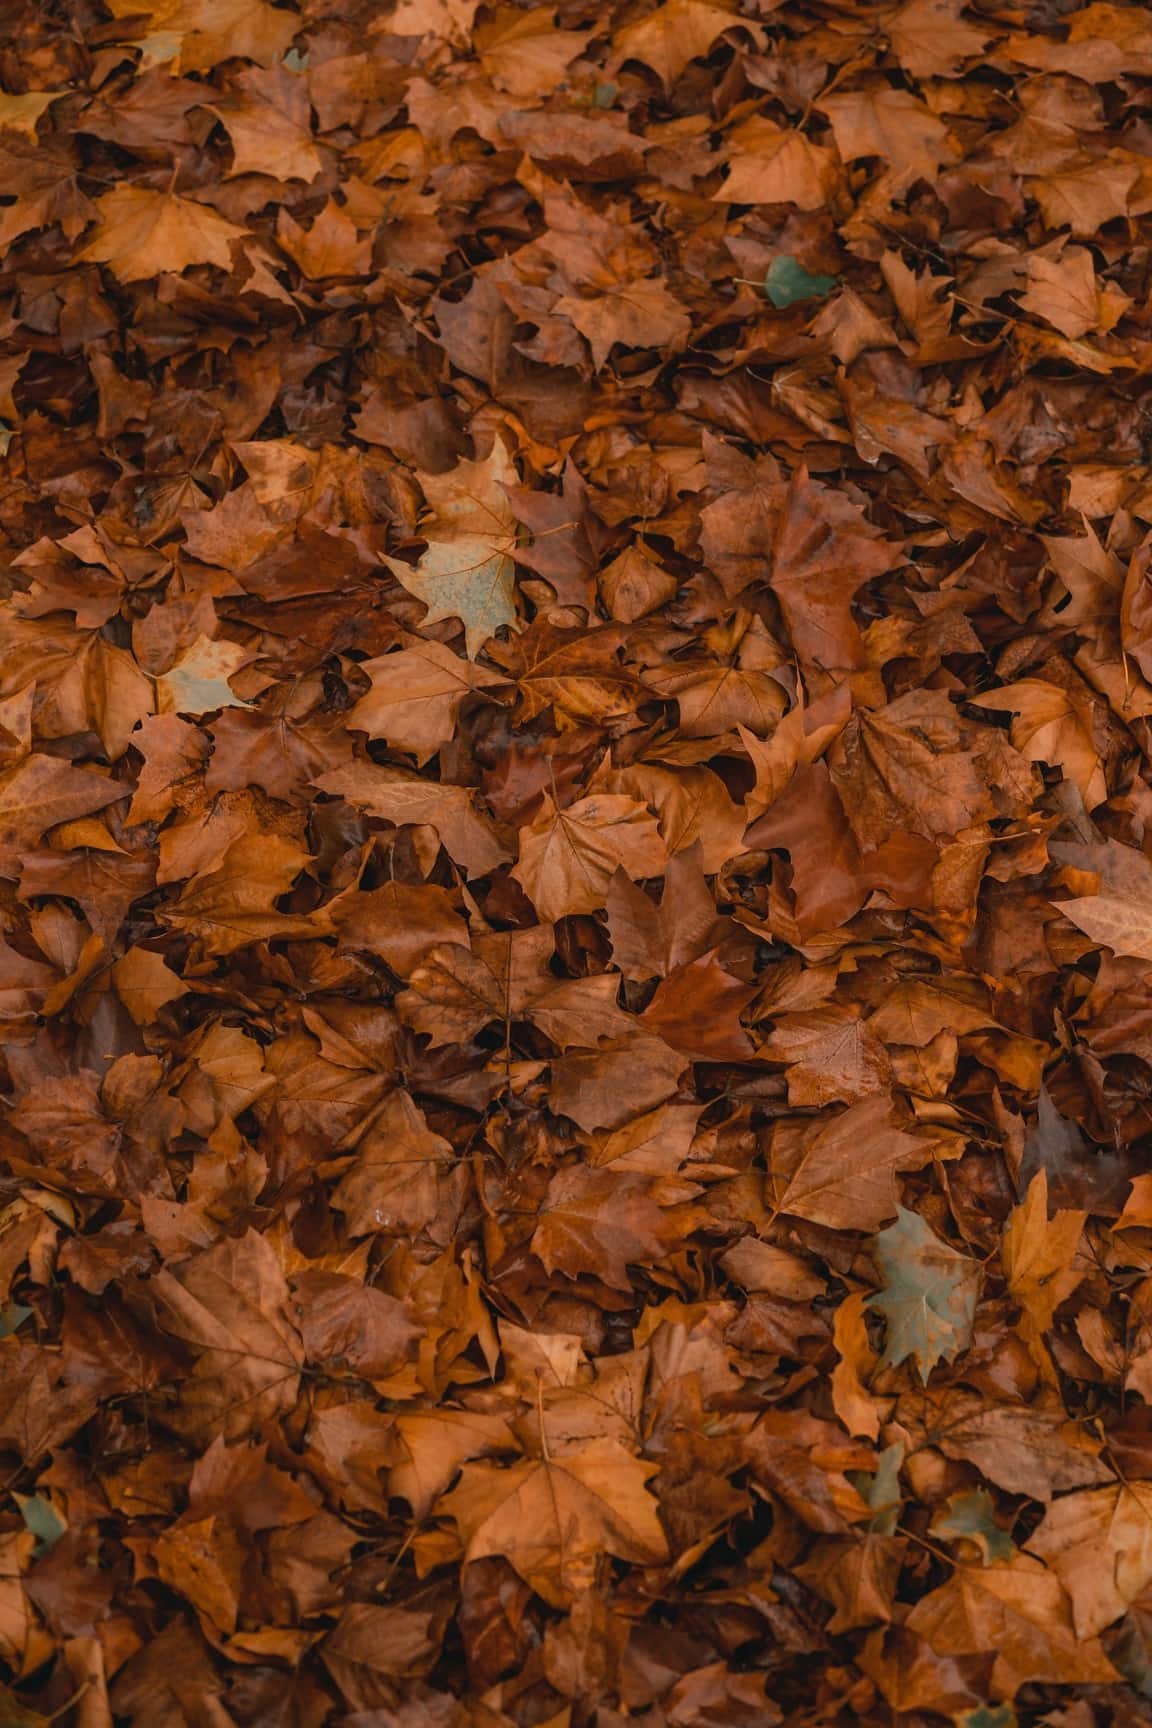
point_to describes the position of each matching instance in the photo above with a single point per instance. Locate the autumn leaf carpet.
(575, 864)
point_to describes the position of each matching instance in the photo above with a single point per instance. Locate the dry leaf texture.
(575, 863)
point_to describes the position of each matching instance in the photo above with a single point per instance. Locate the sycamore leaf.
(331, 247)
(824, 550)
(857, 1577)
(1018, 1611)
(635, 314)
(140, 232)
(831, 1055)
(144, 983)
(393, 1185)
(524, 53)
(771, 165)
(890, 124)
(788, 283)
(677, 32)
(845, 1175)
(267, 122)
(1119, 914)
(568, 857)
(883, 1492)
(1063, 291)
(1037, 1254)
(467, 571)
(929, 1294)
(554, 1519)
(230, 1305)
(1050, 725)
(41, 791)
(598, 1221)
(233, 905)
(1023, 1448)
(1083, 196)
(970, 1518)
(200, 33)
(451, 995)
(198, 682)
(467, 835)
(201, 1560)
(436, 1443)
(372, 1647)
(416, 695)
(931, 40)
(1099, 1544)
(1118, 920)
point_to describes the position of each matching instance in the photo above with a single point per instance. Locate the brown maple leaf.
(568, 856)
(140, 232)
(555, 1519)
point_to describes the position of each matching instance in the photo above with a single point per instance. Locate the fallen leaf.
(140, 232)
(1050, 726)
(598, 1221)
(788, 283)
(416, 695)
(890, 124)
(467, 571)
(1037, 1255)
(229, 1304)
(568, 857)
(970, 1518)
(198, 682)
(1019, 1611)
(845, 1175)
(929, 1295)
(575, 827)
(1099, 1544)
(931, 39)
(554, 1520)
(677, 32)
(235, 904)
(40, 792)
(267, 123)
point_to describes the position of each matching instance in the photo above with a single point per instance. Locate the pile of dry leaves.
(575, 863)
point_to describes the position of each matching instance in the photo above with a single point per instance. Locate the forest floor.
(575, 864)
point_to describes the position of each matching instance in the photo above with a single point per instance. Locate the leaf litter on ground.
(575, 864)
